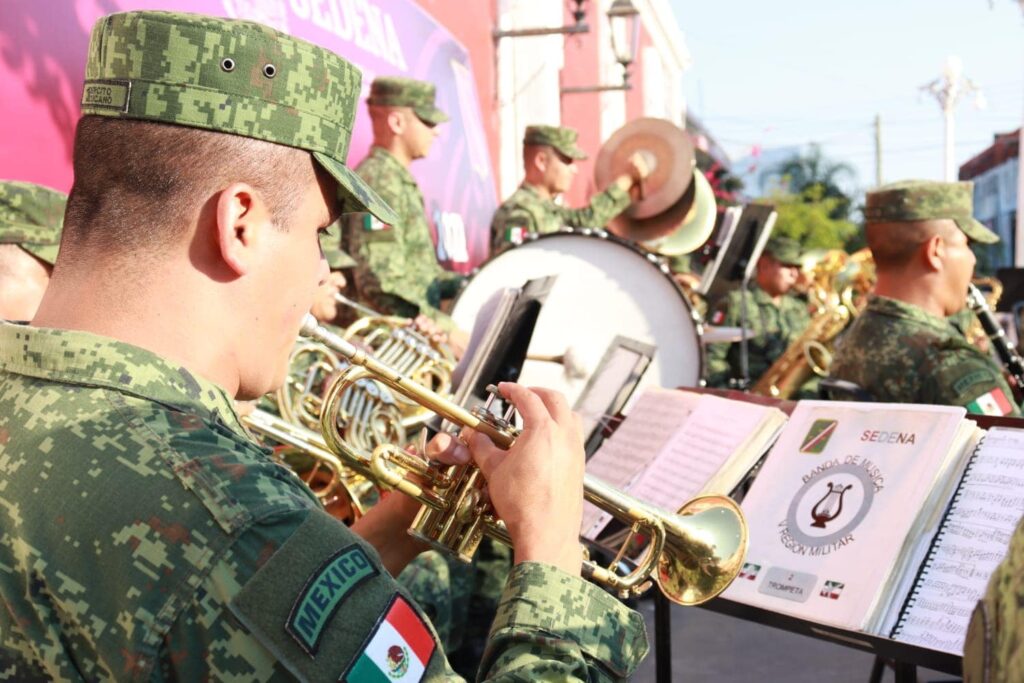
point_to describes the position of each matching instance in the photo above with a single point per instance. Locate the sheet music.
(972, 542)
(655, 416)
(717, 429)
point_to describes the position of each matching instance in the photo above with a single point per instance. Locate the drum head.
(605, 288)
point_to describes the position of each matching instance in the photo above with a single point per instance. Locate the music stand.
(742, 236)
(610, 387)
(498, 348)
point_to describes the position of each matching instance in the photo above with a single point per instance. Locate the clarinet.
(1006, 351)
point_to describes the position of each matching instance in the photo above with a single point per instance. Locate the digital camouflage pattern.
(230, 76)
(526, 212)
(921, 200)
(460, 599)
(397, 265)
(143, 536)
(395, 91)
(562, 139)
(771, 329)
(900, 353)
(32, 216)
(994, 644)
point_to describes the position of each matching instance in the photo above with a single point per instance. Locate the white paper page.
(975, 539)
(833, 502)
(714, 431)
(655, 416)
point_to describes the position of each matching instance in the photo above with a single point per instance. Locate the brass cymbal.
(695, 228)
(669, 154)
(655, 227)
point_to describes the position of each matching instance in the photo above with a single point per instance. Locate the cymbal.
(669, 154)
(695, 228)
(655, 227)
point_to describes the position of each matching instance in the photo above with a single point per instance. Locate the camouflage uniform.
(771, 327)
(31, 216)
(993, 647)
(143, 536)
(527, 212)
(397, 271)
(899, 352)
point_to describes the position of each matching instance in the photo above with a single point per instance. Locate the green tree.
(812, 175)
(808, 217)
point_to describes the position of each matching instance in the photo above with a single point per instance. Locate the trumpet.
(692, 555)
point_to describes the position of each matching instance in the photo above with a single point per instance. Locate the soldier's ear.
(933, 252)
(396, 121)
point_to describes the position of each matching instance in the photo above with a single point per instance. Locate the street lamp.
(579, 26)
(949, 90)
(624, 20)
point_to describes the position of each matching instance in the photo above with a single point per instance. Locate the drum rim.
(651, 257)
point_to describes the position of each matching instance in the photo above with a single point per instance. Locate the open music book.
(971, 541)
(674, 445)
(845, 505)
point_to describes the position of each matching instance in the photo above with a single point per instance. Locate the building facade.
(995, 173)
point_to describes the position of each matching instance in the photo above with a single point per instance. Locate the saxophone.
(838, 282)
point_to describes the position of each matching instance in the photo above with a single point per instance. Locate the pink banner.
(42, 62)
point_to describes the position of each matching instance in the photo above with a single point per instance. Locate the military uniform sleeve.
(510, 226)
(603, 207)
(554, 626)
(958, 374)
(382, 274)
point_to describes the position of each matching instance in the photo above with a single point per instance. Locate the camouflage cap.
(230, 76)
(395, 91)
(922, 200)
(32, 216)
(335, 255)
(562, 139)
(785, 250)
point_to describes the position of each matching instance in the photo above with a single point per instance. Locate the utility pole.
(878, 150)
(949, 90)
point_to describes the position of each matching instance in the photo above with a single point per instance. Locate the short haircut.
(138, 184)
(893, 245)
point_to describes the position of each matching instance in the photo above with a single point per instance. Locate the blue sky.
(790, 72)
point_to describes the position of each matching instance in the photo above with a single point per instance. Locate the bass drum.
(605, 288)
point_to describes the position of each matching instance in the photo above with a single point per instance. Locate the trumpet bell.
(706, 542)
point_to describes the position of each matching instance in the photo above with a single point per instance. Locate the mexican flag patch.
(994, 402)
(516, 234)
(398, 649)
(372, 224)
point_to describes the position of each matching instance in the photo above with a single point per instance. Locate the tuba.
(693, 555)
(838, 282)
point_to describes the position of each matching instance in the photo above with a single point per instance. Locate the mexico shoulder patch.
(323, 593)
(398, 649)
(994, 402)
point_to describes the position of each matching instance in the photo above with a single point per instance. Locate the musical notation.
(972, 542)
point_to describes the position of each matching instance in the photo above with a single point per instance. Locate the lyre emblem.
(830, 505)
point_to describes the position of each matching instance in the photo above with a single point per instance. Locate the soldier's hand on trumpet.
(536, 486)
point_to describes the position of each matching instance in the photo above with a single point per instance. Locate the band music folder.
(972, 539)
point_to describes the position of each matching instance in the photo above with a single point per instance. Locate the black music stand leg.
(662, 638)
(877, 669)
(905, 672)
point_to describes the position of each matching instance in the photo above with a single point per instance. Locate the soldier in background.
(30, 221)
(146, 537)
(774, 316)
(548, 156)
(326, 307)
(397, 271)
(901, 348)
